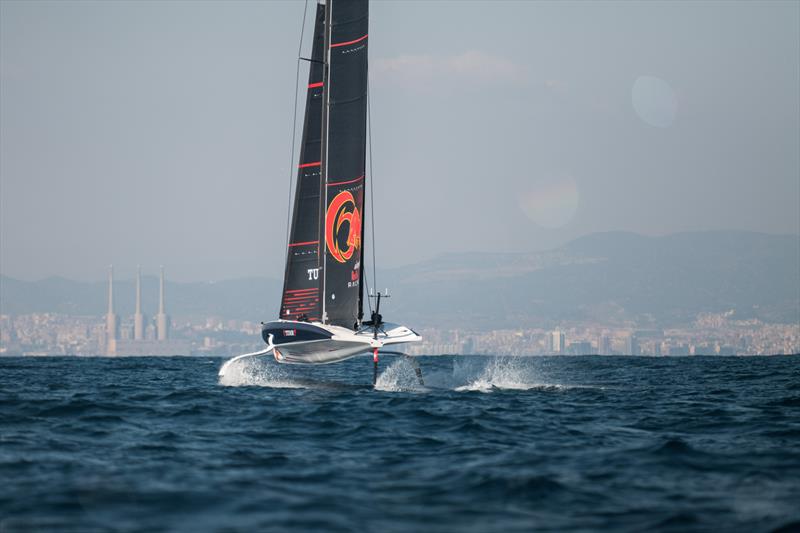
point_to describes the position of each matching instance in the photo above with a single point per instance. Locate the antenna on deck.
(376, 320)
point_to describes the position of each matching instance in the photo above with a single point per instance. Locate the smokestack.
(112, 323)
(161, 294)
(110, 289)
(162, 320)
(138, 318)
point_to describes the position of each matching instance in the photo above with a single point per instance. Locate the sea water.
(486, 444)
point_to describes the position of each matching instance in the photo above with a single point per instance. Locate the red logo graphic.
(340, 211)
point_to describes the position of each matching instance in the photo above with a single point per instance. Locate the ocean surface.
(488, 444)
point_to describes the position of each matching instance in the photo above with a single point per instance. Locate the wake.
(498, 373)
(469, 374)
(465, 374)
(251, 372)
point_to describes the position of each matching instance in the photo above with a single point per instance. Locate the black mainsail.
(324, 266)
(344, 160)
(302, 282)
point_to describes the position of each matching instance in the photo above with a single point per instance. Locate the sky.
(160, 133)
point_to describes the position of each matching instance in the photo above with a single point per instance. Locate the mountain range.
(607, 278)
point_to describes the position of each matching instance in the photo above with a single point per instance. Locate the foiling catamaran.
(322, 311)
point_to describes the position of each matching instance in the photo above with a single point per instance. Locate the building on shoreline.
(141, 343)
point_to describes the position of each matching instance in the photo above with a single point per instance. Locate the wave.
(499, 374)
(400, 376)
(645, 448)
(262, 372)
(468, 375)
(489, 386)
(250, 372)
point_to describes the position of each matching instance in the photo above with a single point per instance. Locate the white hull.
(333, 344)
(343, 344)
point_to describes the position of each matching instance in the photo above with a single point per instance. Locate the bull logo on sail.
(343, 211)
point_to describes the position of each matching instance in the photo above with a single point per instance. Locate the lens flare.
(654, 101)
(551, 202)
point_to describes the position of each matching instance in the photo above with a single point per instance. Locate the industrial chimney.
(138, 317)
(162, 320)
(112, 321)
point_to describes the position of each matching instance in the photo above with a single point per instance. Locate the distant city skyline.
(149, 132)
(711, 334)
(606, 294)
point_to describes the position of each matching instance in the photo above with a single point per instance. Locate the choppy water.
(490, 444)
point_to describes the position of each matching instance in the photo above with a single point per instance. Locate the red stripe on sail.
(306, 165)
(296, 310)
(302, 290)
(303, 243)
(354, 41)
(315, 85)
(345, 182)
(303, 307)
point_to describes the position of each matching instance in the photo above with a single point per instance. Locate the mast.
(326, 108)
(364, 207)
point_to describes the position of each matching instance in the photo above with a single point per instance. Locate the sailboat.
(321, 318)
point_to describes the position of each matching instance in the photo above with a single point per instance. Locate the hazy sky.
(159, 133)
